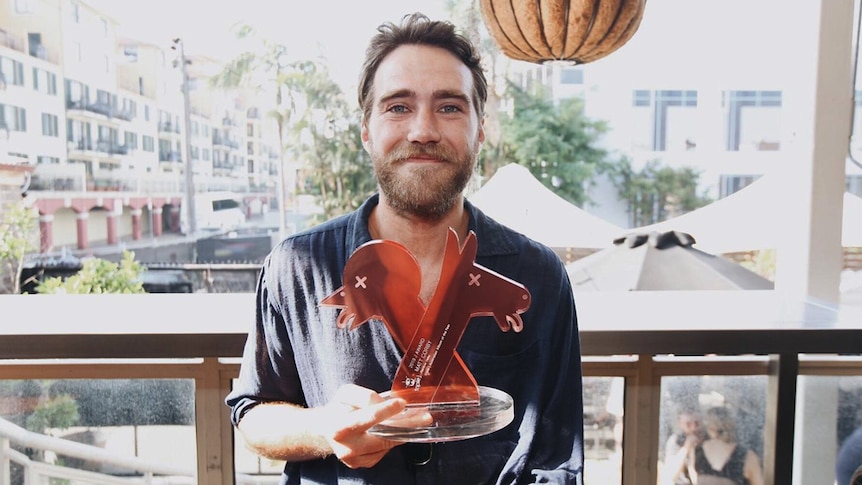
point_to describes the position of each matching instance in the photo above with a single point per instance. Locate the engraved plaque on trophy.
(382, 280)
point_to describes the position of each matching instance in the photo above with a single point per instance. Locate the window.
(24, 6)
(11, 72)
(13, 118)
(131, 140)
(77, 94)
(78, 134)
(148, 144)
(74, 12)
(569, 75)
(250, 148)
(735, 183)
(34, 45)
(44, 81)
(250, 129)
(753, 120)
(41, 160)
(50, 125)
(129, 109)
(664, 120)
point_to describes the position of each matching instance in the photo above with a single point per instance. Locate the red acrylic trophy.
(382, 280)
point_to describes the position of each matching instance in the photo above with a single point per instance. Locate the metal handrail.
(73, 449)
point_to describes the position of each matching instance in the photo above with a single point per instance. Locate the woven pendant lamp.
(578, 31)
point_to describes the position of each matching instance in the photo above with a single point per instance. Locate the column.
(157, 221)
(136, 224)
(817, 109)
(83, 237)
(112, 228)
(46, 232)
(175, 218)
(818, 105)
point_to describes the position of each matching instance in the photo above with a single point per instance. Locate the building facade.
(103, 121)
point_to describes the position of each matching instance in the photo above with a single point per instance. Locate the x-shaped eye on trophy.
(382, 280)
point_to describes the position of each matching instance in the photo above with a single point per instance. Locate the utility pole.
(187, 150)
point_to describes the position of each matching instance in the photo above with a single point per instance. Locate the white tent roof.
(513, 197)
(748, 220)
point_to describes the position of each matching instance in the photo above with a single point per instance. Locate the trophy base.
(450, 421)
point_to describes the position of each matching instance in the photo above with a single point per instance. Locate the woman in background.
(720, 460)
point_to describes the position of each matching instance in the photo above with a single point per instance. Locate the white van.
(215, 211)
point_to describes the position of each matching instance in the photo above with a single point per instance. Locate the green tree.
(326, 137)
(265, 70)
(59, 411)
(18, 236)
(315, 125)
(555, 140)
(466, 14)
(656, 193)
(99, 276)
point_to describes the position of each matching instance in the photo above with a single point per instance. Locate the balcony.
(641, 338)
(169, 128)
(80, 145)
(170, 156)
(109, 147)
(11, 41)
(219, 141)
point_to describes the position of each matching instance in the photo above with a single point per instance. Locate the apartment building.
(103, 120)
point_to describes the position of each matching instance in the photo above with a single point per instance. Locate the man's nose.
(424, 128)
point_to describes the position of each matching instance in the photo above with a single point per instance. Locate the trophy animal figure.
(382, 280)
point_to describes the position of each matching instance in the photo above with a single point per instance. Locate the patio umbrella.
(660, 261)
(515, 198)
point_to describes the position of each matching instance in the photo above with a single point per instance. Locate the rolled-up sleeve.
(268, 371)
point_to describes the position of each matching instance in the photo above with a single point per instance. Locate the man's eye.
(398, 108)
(451, 109)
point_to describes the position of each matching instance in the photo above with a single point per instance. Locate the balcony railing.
(638, 336)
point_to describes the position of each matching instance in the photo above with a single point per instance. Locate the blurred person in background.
(849, 458)
(681, 444)
(720, 459)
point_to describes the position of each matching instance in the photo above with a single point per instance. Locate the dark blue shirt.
(296, 353)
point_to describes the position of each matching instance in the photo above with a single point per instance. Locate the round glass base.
(429, 423)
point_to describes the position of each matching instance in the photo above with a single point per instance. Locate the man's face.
(691, 424)
(423, 133)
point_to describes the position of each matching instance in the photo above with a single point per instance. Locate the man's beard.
(425, 194)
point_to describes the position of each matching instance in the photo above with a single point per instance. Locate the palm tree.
(266, 71)
(315, 125)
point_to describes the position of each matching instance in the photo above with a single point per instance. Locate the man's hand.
(352, 411)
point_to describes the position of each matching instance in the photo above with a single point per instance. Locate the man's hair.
(418, 29)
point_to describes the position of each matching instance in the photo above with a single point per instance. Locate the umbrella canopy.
(750, 219)
(515, 198)
(660, 261)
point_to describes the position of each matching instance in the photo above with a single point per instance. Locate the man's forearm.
(284, 431)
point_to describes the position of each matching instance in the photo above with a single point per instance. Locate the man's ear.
(363, 133)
